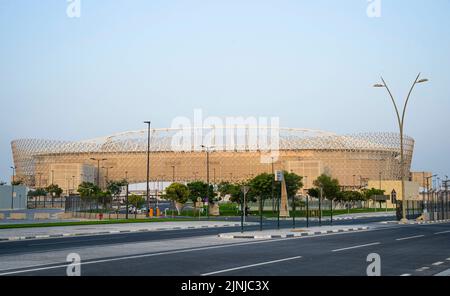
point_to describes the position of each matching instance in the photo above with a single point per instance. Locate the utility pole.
(428, 191)
(148, 165)
(126, 195)
(320, 206)
(207, 149)
(12, 187)
(446, 196)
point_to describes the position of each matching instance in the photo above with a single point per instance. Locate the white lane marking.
(448, 259)
(406, 274)
(251, 265)
(409, 237)
(442, 232)
(422, 268)
(355, 247)
(437, 263)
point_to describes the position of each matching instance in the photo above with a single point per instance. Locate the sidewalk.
(343, 216)
(66, 231)
(299, 232)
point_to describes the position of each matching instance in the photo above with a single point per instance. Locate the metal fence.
(435, 206)
(45, 202)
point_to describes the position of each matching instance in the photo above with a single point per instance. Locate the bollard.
(151, 213)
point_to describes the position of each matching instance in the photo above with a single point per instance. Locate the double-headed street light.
(401, 121)
(98, 160)
(107, 173)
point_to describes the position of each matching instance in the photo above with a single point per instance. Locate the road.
(404, 250)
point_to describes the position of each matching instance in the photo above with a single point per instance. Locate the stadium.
(233, 155)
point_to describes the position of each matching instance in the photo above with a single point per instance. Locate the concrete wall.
(20, 197)
(411, 189)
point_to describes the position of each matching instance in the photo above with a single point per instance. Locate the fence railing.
(46, 202)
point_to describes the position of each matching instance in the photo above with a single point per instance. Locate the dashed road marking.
(422, 268)
(406, 274)
(442, 232)
(251, 265)
(437, 263)
(355, 247)
(410, 237)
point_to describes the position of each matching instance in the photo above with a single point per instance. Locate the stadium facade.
(352, 159)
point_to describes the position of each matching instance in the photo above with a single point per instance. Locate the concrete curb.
(290, 235)
(18, 238)
(417, 222)
(431, 222)
(327, 218)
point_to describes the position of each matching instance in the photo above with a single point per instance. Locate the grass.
(79, 223)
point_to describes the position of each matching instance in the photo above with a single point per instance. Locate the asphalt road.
(404, 250)
(41, 245)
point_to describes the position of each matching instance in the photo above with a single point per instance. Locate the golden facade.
(308, 153)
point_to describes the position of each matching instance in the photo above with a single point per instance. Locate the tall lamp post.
(107, 173)
(98, 160)
(207, 149)
(401, 121)
(149, 123)
(12, 187)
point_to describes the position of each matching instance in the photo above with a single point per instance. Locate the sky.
(310, 63)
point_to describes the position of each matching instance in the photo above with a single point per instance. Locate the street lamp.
(12, 187)
(149, 123)
(207, 148)
(107, 173)
(98, 168)
(401, 121)
(173, 174)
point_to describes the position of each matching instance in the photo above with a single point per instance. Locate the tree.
(38, 192)
(313, 192)
(293, 183)
(178, 193)
(200, 189)
(115, 188)
(137, 201)
(261, 185)
(234, 190)
(54, 190)
(330, 187)
(351, 196)
(371, 193)
(17, 182)
(88, 189)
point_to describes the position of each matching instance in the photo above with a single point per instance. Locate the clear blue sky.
(312, 63)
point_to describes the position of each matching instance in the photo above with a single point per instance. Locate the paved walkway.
(63, 231)
(286, 233)
(344, 216)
